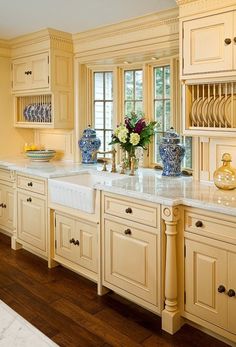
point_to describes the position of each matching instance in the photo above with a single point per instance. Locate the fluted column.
(170, 315)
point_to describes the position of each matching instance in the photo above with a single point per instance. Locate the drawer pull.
(231, 293)
(29, 199)
(128, 210)
(199, 224)
(30, 184)
(72, 240)
(227, 41)
(221, 289)
(76, 243)
(127, 232)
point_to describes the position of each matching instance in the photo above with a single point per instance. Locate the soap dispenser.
(225, 176)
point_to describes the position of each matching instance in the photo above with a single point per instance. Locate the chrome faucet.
(113, 159)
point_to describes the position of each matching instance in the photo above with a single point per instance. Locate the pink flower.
(140, 125)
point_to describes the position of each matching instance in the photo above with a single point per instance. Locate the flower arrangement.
(135, 132)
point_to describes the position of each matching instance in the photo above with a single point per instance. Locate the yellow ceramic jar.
(225, 176)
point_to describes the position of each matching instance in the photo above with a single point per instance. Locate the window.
(103, 107)
(161, 104)
(133, 91)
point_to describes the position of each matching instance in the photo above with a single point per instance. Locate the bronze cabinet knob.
(30, 184)
(4, 206)
(76, 243)
(127, 232)
(221, 289)
(199, 224)
(231, 293)
(72, 240)
(29, 199)
(128, 210)
(227, 41)
(234, 39)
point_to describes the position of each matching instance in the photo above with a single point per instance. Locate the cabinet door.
(8, 211)
(204, 47)
(205, 271)
(232, 285)
(65, 231)
(234, 43)
(131, 260)
(40, 71)
(2, 199)
(86, 254)
(21, 77)
(31, 220)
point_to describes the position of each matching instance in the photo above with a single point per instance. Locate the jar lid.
(226, 157)
(89, 132)
(171, 136)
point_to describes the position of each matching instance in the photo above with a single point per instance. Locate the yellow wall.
(11, 139)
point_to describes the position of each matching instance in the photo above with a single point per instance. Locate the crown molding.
(199, 7)
(5, 49)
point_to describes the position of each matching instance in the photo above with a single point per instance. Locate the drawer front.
(131, 211)
(6, 175)
(208, 226)
(31, 184)
(131, 260)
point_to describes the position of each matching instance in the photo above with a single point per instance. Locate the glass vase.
(127, 155)
(225, 176)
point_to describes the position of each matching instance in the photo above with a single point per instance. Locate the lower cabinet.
(210, 282)
(76, 241)
(31, 220)
(6, 207)
(130, 260)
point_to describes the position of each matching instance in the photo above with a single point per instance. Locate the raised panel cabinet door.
(31, 220)
(232, 297)
(131, 260)
(205, 274)
(234, 43)
(20, 74)
(208, 44)
(40, 71)
(65, 230)
(2, 199)
(9, 210)
(86, 246)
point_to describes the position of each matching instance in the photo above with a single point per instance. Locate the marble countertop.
(148, 185)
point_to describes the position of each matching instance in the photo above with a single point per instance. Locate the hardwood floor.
(66, 308)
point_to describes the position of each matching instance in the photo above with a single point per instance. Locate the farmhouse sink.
(78, 191)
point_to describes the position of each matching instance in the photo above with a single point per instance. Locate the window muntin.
(103, 114)
(133, 91)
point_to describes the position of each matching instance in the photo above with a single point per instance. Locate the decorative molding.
(199, 7)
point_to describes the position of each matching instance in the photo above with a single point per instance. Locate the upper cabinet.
(208, 44)
(42, 80)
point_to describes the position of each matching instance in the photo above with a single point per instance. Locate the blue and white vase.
(89, 143)
(172, 153)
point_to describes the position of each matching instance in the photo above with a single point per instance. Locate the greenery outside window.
(133, 91)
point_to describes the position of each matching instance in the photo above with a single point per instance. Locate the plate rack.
(210, 107)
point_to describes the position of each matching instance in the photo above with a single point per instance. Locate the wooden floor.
(66, 308)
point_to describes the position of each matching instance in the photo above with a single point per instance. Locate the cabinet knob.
(76, 243)
(221, 289)
(72, 240)
(227, 41)
(4, 206)
(234, 39)
(128, 210)
(199, 224)
(231, 293)
(29, 199)
(30, 184)
(127, 232)
(1, 205)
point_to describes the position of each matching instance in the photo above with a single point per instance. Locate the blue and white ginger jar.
(172, 153)
(89, 143)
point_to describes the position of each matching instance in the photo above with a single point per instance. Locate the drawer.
(137, 212)
(206, 225)
(6, 175)
(32, 184)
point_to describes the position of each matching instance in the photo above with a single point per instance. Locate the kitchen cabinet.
(131, 249)
(6, 201)
(208, 44)
(32, 214)
(210, 260)
(31, 72)
(76, 241)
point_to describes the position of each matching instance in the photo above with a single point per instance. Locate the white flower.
(134, 139)
(121, 133)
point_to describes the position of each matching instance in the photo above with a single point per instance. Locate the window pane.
(129, 107)
(100, 134)
(159, 87)
(98, 86)
(139, 85)
(167, 115)
(108, 140)
(187, 162)
(167, 81)
(129, 85)
(108, 114)
(159, 112)
(138, 107)
(98, 114)
(108, 86)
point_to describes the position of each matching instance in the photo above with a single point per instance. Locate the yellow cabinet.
(76, 241)
(6, 207)
(210, 282)
(31, 220)
(31, 72)
(130, 260)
